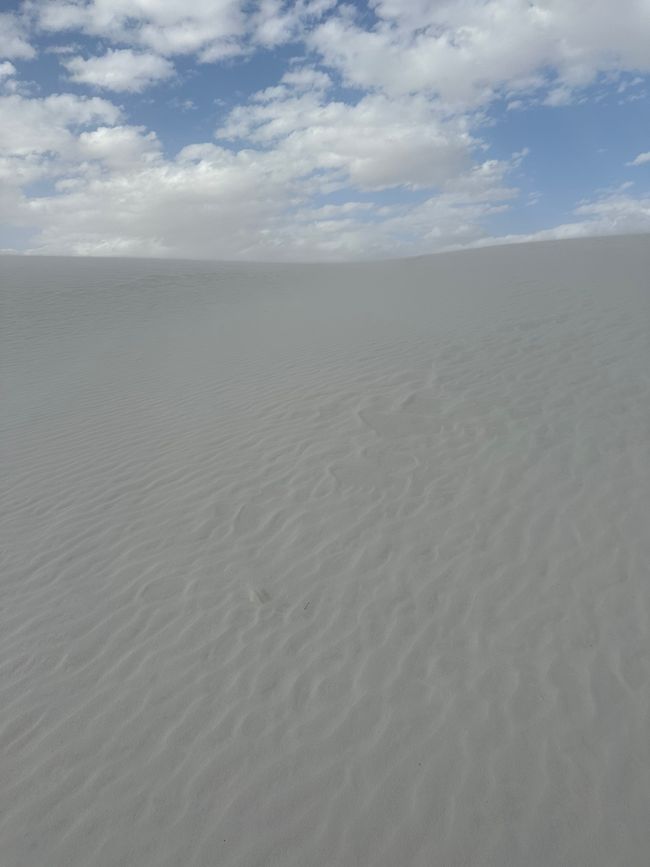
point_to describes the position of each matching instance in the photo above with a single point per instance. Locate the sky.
(298, 130)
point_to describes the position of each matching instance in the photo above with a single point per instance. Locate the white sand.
(327, 565)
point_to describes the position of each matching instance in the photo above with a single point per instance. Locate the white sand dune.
(327, 565)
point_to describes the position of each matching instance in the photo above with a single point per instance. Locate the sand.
(327, 564)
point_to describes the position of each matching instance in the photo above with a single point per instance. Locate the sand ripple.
(290, 580)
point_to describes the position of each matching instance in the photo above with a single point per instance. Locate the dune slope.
(327, 565)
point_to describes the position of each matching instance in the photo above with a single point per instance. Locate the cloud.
(640, 159)
(302, 169)
(119, 147)
(307, 78)
(72, 48)
(206, 202)
(13, 38)
(116, 194)
(110, 190)
(119, 70)
(48, 125)
(8, 81)
(617, 213)
(614, 213)
(210, 29)
(39, 141)
(164, 26)
(7, 70)
(467, 53)
(275, 22)
(66, 136)
(211, 203)
(374, 144)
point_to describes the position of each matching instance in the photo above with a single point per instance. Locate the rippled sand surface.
(327, 565)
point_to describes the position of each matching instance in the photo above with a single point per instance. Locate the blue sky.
(316, 129)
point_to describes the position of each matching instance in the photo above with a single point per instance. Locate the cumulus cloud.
(119, 70)
(210, 29)
(211, 203)
(468, 52)
(7, 70)
(39, 141)
(115, 193)
(616, 213)
(302, 169)
(14, 42)
(49, 125)
(62, 138)
(275, 22)
(164, 26)
(206, 202)
(640, 159)
(119, 147)
(613, 213)
(465, 52)
(373, 144)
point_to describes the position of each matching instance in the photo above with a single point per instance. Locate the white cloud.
(273, 24)
(617, 213)
(114, 192)
(221, 205)
(466, 52)
(49, 124)
(306, 78)
(119, 147)
(426, 70)
(119, 70)
(215, 205)
(164, 26)
(13, 38)
(66, 136)
(8, 81)
(39, 140)
(210, 29)
(640, 159)
(72, 48)
(377, 143)
(7, 70)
